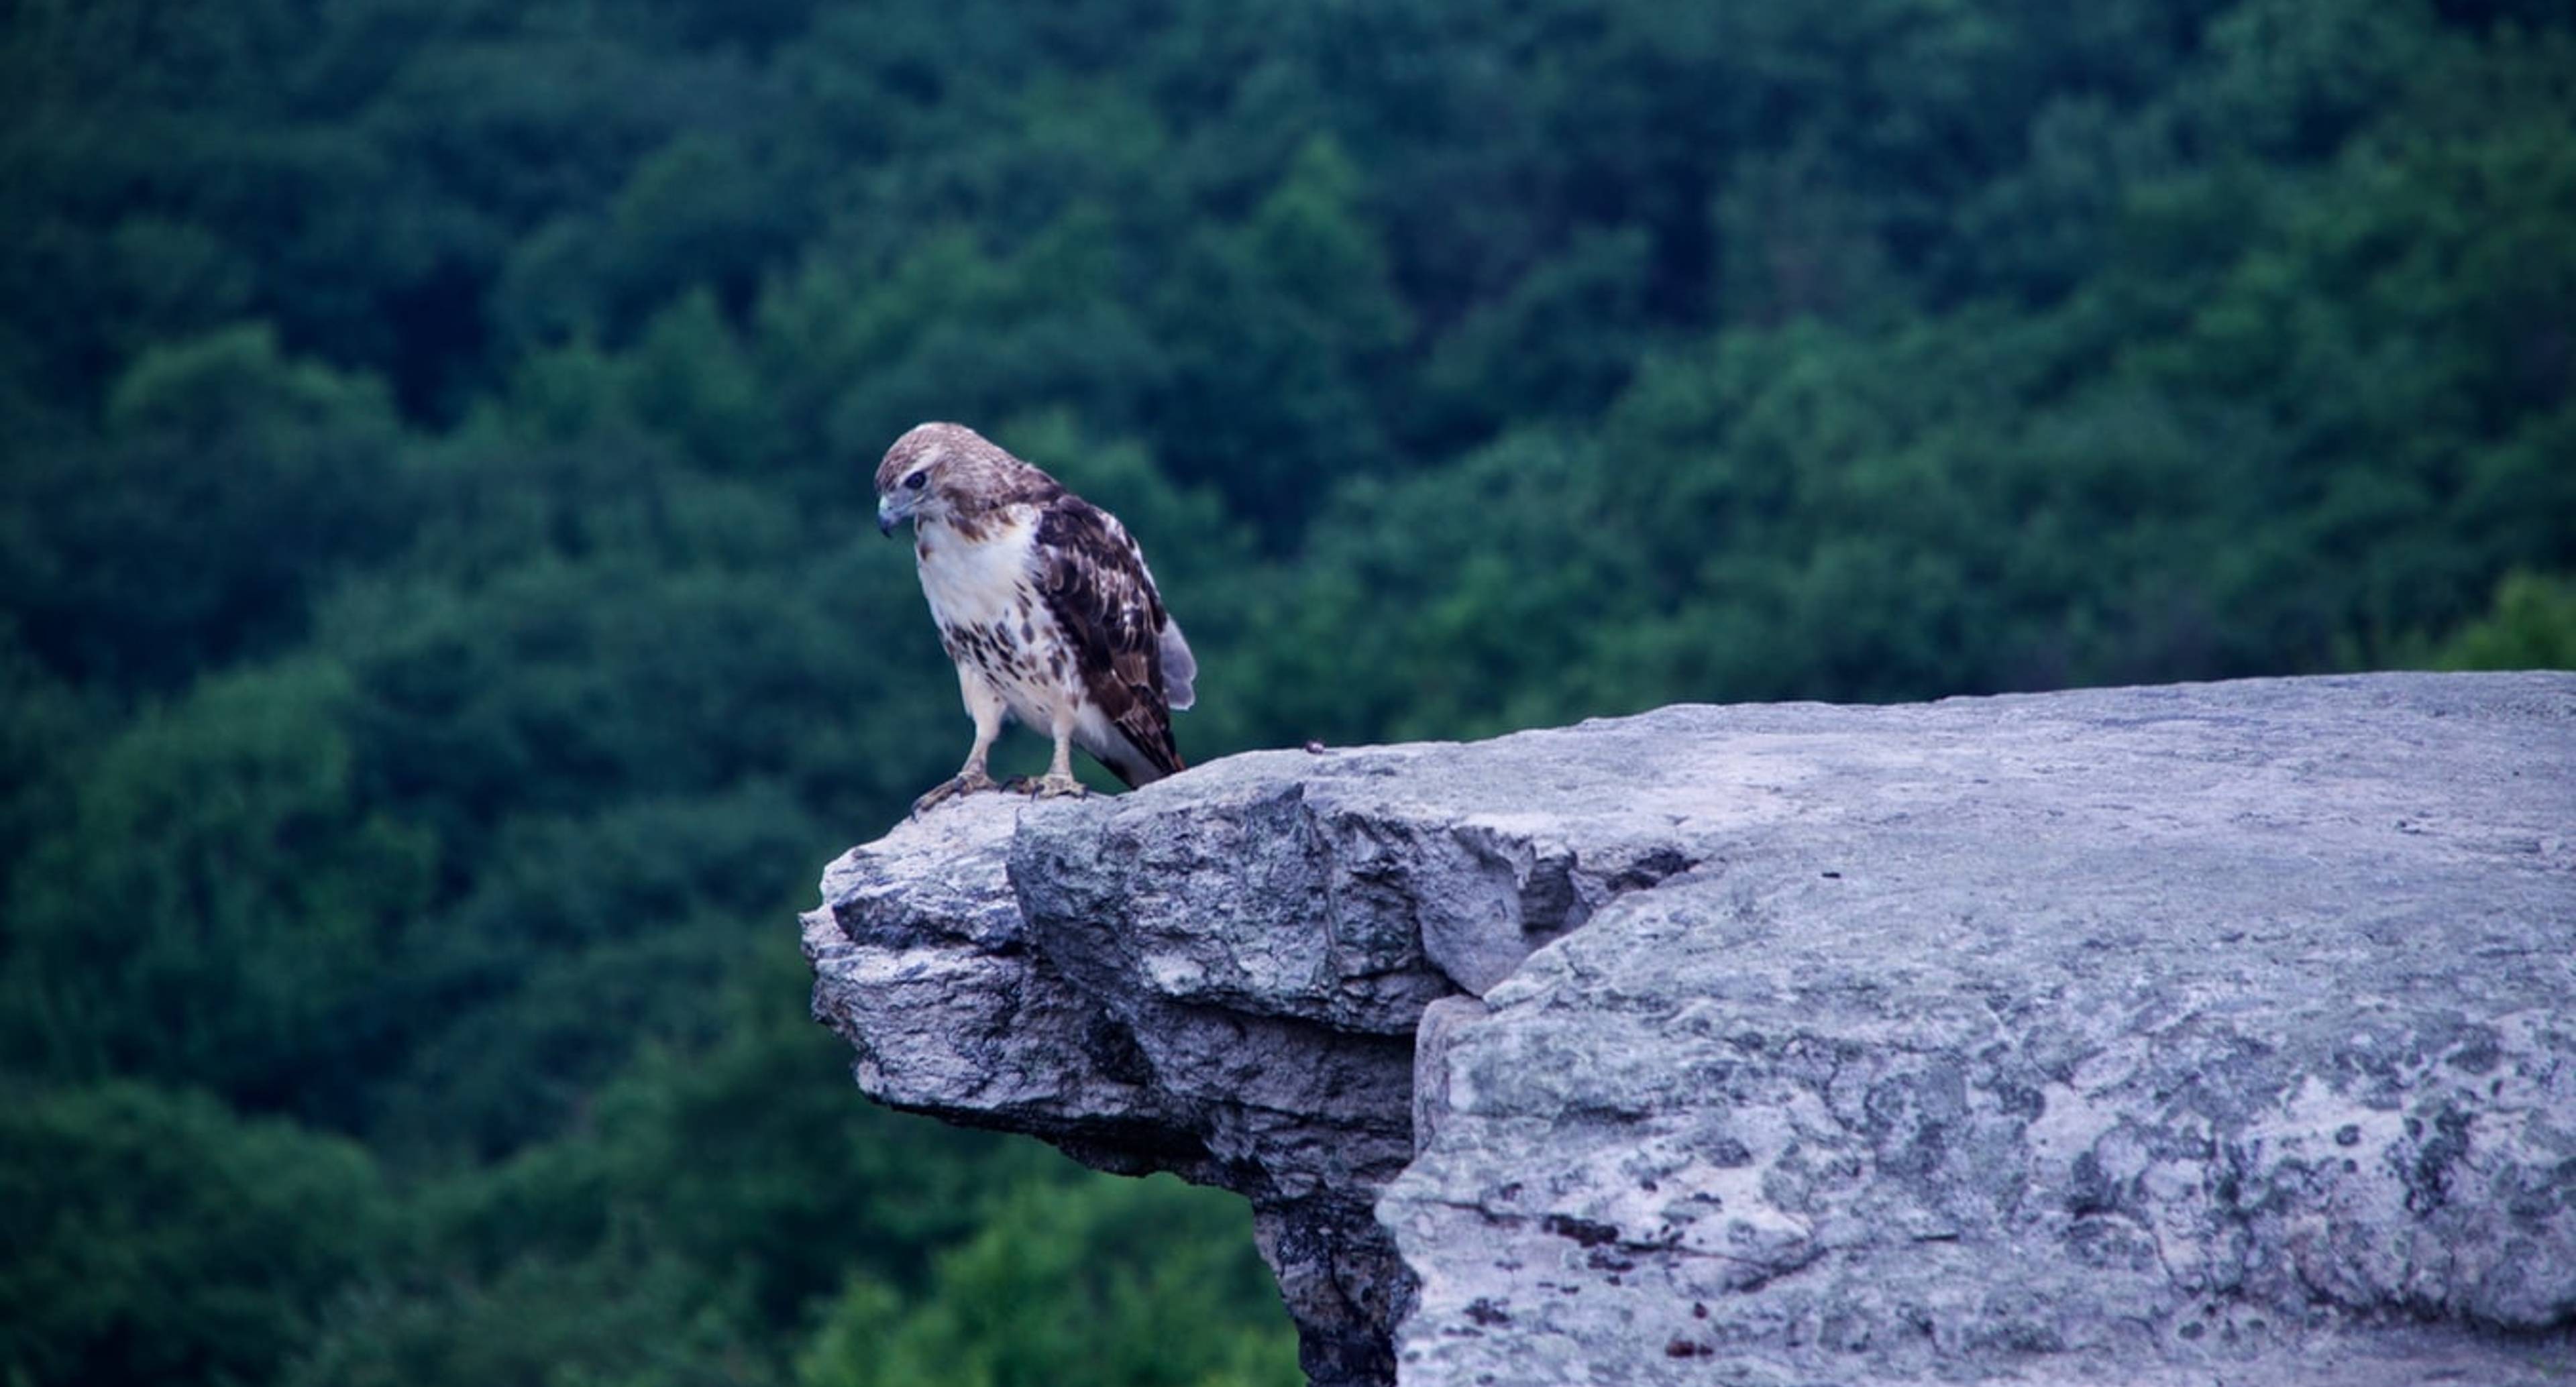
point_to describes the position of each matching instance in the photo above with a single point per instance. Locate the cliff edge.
(2126, 1036)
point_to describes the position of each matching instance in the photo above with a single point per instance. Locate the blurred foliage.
(1106, 1284)
(154, 1236)
(2532, 626)
(440, 633)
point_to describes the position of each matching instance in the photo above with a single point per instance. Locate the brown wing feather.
(1096, 586)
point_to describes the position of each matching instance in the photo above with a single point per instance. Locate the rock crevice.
(2122, 1036)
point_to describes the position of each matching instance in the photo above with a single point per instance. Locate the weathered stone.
(2123, 1036)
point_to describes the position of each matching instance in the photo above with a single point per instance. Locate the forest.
(442, 636)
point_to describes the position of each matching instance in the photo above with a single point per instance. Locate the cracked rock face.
(2124, 1036)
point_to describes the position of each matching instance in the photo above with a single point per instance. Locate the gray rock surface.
(2217, 1033)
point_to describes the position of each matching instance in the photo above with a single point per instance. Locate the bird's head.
(921, 475)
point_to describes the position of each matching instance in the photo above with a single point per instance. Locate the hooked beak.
(886, 517)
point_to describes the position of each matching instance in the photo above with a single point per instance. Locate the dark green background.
(444, 639)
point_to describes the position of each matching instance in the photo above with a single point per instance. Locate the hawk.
(1044, 604)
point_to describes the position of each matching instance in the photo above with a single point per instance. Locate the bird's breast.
(977, 583)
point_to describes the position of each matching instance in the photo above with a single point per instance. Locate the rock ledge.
(2146, 1036)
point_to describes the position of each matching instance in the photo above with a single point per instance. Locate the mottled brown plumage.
(1045, 605)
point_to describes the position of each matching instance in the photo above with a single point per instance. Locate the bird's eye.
(915, 481)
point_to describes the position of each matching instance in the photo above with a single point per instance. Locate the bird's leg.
(1059, 780)
(985, 707)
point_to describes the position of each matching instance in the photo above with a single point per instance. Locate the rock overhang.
(1880, 1042)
